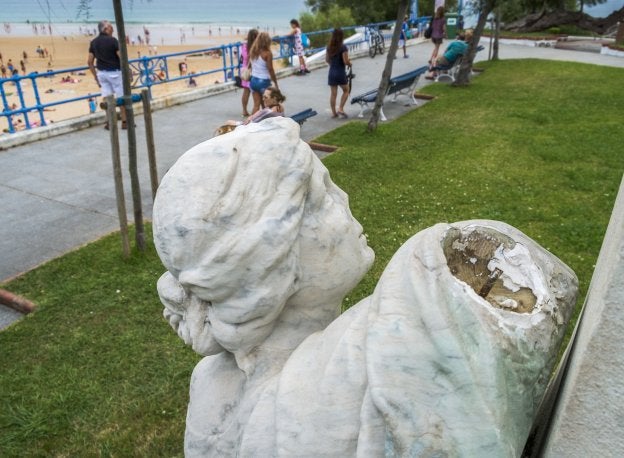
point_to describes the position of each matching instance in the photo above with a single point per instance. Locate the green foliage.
(363, 11)
(96, 371)
(334, 17)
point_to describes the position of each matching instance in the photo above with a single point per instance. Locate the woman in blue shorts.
(337, 56)
(262, 72)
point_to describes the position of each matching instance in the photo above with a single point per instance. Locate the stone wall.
(589, 419)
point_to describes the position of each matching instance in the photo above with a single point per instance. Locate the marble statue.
(448, 357)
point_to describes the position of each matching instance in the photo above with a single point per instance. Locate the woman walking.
(438, 32)
(262, 72)
(251, 36)
(337, 57)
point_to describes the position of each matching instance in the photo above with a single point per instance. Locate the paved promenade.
(58, 194)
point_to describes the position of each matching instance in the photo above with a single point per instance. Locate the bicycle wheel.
(372, 46)
(382, 44)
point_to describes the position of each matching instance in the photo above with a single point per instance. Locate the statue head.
(247, 224)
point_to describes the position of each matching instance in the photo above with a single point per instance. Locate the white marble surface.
(260, 248)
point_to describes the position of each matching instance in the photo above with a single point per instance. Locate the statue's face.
(189, 316)
(334, 252)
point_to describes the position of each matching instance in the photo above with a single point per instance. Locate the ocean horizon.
(241, 13)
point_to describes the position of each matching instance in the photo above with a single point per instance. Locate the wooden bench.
(404, 84)
(449, 72)
(304, 115)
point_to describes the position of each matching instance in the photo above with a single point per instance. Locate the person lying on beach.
(273, 107)
(68, 79)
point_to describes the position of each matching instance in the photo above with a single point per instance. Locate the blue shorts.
(258, 84)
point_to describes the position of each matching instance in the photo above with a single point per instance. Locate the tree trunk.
(497, 23)
(463, 76)
(132, 148)
(387, 73)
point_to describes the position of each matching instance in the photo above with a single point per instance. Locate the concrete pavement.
(58, 194)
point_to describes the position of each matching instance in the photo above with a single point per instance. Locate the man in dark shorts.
(104, 55)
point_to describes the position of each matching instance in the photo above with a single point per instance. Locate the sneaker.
(306, 70)
(406, 56)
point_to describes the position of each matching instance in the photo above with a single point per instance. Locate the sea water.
(219, 16)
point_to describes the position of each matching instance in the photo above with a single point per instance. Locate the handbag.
(246, 74)
(429, 30)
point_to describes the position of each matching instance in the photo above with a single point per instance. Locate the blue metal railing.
(147, 72)
(150, 71)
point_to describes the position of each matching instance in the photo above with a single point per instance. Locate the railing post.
(224, 60)
(145, 71)
(7, 109)
(38, 99)
(20, 95)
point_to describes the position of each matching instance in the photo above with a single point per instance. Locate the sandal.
(342, 114)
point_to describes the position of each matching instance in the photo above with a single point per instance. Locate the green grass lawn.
(97, 371)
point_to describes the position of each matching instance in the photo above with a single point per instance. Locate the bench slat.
(304, 115)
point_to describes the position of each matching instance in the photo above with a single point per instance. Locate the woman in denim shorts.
(262, 72)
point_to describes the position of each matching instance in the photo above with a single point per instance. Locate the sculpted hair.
(226, 224)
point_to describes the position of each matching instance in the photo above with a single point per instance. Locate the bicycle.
(375, 41)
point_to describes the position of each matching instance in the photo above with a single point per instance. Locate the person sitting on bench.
(456, 49)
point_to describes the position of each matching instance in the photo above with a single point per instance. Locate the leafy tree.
(367, 11)
(335, 16)
(84, 10)
(363, 11)
(582, 3)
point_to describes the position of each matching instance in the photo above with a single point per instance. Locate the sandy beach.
(70, 52)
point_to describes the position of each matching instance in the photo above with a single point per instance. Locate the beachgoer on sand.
(183, 66)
